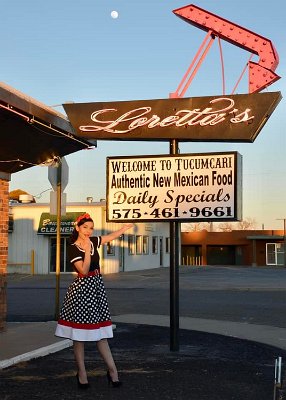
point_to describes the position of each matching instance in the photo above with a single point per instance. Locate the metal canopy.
(265, 237)
(32, 133)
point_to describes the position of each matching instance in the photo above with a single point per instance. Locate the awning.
(32, 133)
(265, 237)
(48, 223)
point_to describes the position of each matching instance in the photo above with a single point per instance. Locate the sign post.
(58, 241)
(175, 187)
(58, 178)
(174, 272)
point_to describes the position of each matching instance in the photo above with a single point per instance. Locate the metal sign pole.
(174, 273)
(58, 240)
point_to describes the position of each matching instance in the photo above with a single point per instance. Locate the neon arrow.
(261, 74)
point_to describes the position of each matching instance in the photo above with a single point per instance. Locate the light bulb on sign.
(114, 14)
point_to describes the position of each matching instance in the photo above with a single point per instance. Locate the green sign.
(48, 223)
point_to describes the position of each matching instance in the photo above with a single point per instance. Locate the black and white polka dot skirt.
(85, 314)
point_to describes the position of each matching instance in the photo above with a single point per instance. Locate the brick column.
(4, 218)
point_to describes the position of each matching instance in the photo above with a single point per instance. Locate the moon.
(114, 14)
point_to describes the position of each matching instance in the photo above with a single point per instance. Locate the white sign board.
(54, 201)
(187, 187)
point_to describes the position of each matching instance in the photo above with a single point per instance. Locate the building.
(32, 243)
(32, 240)
(238, 247)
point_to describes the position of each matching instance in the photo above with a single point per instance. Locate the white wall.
(24, 239)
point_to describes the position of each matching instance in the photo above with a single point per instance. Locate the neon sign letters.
(237, 118)
(142, 117)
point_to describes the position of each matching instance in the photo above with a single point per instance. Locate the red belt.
(91, 273)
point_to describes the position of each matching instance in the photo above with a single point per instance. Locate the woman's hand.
(86, 244)
(116, 234)
(129, 225)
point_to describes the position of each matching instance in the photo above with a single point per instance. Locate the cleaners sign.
(187, 187)
(48, 223)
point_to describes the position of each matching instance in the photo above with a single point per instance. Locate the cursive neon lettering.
(139, 117)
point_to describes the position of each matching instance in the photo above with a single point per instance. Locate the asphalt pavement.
(207, 366)
(217, 359)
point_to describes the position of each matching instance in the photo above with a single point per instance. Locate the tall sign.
(172, 188)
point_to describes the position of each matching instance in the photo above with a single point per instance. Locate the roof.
(71, 204)
(32, 133)
(265, 237)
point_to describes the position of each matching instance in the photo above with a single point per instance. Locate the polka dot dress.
(85, 313)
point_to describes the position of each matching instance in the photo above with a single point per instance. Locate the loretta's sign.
(233, 118)
(187, 187)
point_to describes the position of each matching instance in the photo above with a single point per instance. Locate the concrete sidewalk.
(25, 341)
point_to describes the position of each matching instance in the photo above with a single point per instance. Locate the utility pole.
(58, 246)
(58, 177)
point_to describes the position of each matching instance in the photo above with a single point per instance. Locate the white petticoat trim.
(84, 335)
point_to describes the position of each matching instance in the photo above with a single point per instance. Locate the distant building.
(252, 247)
(32, 240)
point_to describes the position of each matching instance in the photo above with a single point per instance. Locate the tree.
(194, 226)
(225, 227)
(246, 224)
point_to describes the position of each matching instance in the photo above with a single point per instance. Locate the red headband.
(83, 216)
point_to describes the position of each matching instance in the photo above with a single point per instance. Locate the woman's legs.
(105, 352)
(78, 348)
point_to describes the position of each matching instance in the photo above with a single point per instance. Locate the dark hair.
(80, 221)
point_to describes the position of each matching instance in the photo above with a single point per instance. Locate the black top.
(76, 253)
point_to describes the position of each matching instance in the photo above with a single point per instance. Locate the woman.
(85, 314)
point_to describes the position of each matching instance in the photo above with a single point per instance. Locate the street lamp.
(284, 235)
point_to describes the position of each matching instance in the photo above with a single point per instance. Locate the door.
(221, 255)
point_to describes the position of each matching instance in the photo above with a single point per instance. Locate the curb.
(41, 352)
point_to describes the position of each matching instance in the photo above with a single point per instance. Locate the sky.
(62, 51)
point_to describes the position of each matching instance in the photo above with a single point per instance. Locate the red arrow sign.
(261, 74)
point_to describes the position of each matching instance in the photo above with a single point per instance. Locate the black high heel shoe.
(115, 384)
(83, 386)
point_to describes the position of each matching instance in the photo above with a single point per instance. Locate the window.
(11, 223)
(138, 244)
(110, 249)
(154, 244)
(274, 253)
(131, 244)
(167, 245)
(145, 244)
(270, 254)
(65, 266)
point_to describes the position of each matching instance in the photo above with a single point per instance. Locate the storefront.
(32, 240)
(253, 248)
